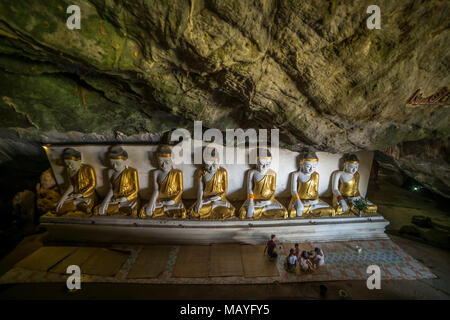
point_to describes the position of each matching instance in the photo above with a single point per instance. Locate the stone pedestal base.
(90, 230)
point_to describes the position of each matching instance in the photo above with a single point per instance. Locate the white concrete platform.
(116, 229)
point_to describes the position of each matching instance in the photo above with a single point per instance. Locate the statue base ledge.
(125, 230)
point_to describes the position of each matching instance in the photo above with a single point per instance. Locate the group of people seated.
(307, 260)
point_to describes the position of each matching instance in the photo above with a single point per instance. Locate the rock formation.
(311, 68)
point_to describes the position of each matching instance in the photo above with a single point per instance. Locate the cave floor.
(399, 205)
(437, 260)
(396, 204)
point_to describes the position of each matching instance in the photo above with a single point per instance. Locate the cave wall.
(139, 68)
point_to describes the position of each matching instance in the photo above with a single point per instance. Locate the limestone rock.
(23, 205)
(421, 221)
(410, 230)
(310, 68)
(426, 160)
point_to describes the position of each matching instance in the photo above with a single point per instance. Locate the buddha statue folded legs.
(168, 202)
(80, 196)
(165, 201)
(212, 184)
(261, 185)
(346, 194)
(122, 197)
(83, 197)
(305, 200)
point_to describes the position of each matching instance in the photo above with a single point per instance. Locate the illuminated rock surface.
(311, 69)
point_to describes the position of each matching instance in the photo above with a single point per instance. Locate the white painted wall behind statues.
(139, 156)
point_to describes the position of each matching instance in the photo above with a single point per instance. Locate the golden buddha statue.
(305, 200)
(122, 197)
(47, 191)
(261, 185)
(80, 196)
(212, 183)
(165, 201)
(346, 189)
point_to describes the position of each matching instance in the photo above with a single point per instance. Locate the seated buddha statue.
(212, 185)
(305, 200)
(345, 187)
(47, 192)
(80, 196)
(261, 184)
(165, 201)
(122, 197)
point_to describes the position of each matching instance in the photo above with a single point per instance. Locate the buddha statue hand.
(168, 202)
(74, 196)
(214, 198)
(263, 203)
(344, 205)
(102, 208)
(60, 203)
(198, 205)
(298, 205)
(122, 199)
(310, 202)
(149, 209)
(250, 208)
(353, 199)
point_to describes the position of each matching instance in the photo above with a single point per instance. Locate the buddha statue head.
(72, 159)
(47, 179)
(263, 159)
(351, 164)
(308, 162)
(210, 160)
(118, 157)
(164, 156)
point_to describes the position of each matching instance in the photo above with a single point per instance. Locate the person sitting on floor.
(319, 258)
(291, 261)
(271, 248)
(297, 251)
(305, 263)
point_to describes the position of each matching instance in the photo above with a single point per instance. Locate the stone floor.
(437, 260)
(214, 264)
(395, 203)
(398, 205)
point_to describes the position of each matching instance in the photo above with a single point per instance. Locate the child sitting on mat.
(291, 261)
(305, 263)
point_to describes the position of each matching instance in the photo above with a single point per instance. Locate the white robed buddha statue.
(261, 186)
(167, 182)
(122, 197)
(79, 196)
(305, 200)
(212, 186)
(345, 187)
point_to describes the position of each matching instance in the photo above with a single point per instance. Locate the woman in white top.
(319, 258)
(305, 263)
